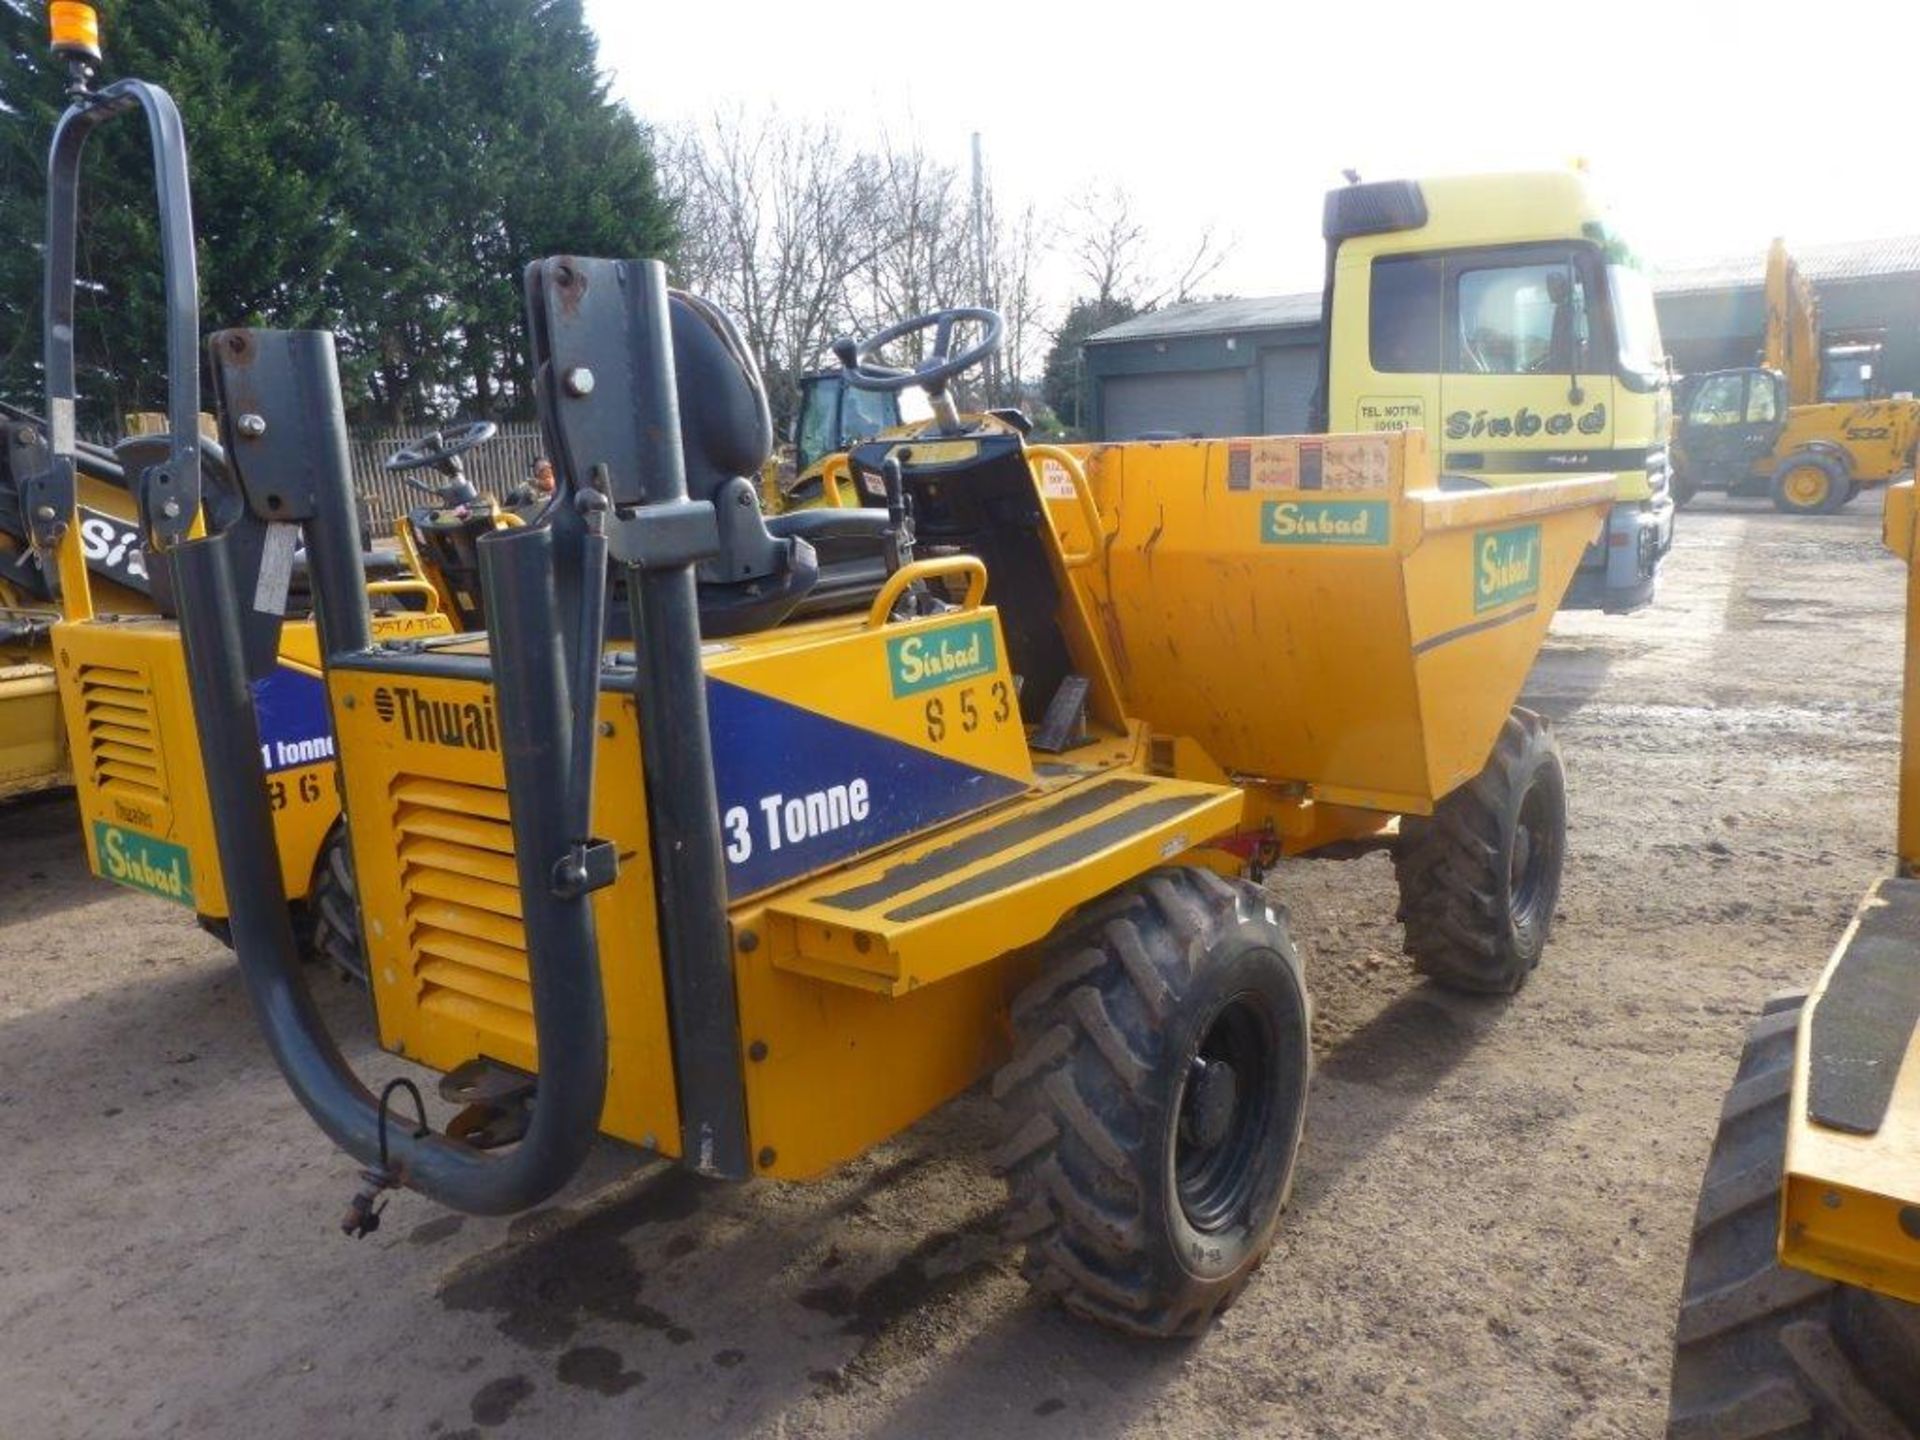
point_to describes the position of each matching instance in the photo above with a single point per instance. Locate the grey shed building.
(1248, 367)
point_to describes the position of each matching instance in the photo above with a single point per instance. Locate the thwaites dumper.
(748, 841)
(115, 646)
(33, 739)
(1800, 1313)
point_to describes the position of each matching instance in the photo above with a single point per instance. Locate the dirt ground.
(1486, 1237)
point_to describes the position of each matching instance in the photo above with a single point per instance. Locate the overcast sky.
(1240, 116)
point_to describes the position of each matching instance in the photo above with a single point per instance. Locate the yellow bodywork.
(127, 718)
(137, 767)
(866, 1014)
(873, 976)
(1850, 1204)
(33, 745)
(1499, 418)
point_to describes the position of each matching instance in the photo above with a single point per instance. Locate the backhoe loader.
(1764, 430)
(831, 415)
(1800, 1310)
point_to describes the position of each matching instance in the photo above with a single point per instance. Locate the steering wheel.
(442, 450)
(859, 362)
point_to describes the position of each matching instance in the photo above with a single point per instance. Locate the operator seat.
(767, 569)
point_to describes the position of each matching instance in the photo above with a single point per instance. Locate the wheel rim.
(1535, 856)
(1226, 1112)
(1807, 486)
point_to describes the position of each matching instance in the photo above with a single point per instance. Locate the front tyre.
(1153, 1106)
(1480, 877)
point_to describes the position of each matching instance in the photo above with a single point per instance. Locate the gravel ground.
(1486, 1238)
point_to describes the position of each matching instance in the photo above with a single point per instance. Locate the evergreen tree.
(1063, 382)
(382, 168)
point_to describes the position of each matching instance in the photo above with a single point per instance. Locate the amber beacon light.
(75, 30)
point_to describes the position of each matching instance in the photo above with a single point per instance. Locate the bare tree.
(778, 219)
(1014, 247)
(804, 235)
(1118, 260)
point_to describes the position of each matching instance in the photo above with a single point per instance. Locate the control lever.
(899, 542)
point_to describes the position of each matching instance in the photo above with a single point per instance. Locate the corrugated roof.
(1848, 260)
(1215, 317)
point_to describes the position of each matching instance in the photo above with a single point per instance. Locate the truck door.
(1526, 389)
(1393, 381)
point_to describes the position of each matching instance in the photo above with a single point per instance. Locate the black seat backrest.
(726, 435)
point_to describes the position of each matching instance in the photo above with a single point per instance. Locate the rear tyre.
(1761, 1350)
(1480, 877)
(1682, 489)
(1810, 484)
(333, 906)
(1153, 1106)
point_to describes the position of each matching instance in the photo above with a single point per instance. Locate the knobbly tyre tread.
(1450, 867)
(1761, 1350)
(334, 911)
(1077, 1119)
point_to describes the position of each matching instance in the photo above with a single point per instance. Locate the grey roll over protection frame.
(294, 472)
(602, 334)
(291, 467)
(168, 494)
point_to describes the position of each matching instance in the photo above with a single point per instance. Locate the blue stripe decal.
(800, 790)
(295, 728)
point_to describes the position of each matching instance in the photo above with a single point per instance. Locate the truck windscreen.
(1635, 324)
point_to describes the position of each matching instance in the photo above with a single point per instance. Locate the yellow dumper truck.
(1764, 430)
(1800, 1313)
(748, 840)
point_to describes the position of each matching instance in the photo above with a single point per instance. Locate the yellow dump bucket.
(1316, 611)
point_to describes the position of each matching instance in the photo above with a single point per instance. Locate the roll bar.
(168, 494)
(285, 433)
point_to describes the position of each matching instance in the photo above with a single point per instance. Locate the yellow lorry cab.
(1504, 315)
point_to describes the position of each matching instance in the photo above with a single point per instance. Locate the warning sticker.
(1239, 464)
(1356, 463)
(1055, 482)
(1275, 465)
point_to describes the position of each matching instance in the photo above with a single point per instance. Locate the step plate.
(1867, 1014)
(979, 890)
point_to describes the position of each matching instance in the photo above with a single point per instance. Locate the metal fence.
(494, 468)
